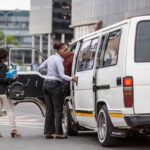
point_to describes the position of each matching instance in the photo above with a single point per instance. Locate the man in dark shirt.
(68, 63)
(68, 60)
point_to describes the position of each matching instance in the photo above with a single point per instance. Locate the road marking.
(24, 121)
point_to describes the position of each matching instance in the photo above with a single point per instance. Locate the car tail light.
(128, 91)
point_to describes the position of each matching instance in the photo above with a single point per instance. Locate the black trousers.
(53, 96)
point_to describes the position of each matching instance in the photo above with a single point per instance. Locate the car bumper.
(137, 121)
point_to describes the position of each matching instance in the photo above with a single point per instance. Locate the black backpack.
(16, 91)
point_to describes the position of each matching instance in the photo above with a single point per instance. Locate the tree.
(1, 36)
(10, 40)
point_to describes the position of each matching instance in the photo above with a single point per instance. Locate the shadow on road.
(129, 143)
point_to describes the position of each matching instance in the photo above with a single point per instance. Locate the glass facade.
(61, 20)
(16, 23)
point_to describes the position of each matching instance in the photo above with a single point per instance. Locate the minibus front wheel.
(69, 125)
(105, 128)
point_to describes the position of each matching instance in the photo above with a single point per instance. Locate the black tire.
(105, 128)
(69, 125)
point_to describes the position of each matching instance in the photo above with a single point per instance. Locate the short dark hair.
(58, 45)
(3, 53)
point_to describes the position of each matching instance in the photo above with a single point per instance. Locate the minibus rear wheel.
(105, 128)
(68, 121)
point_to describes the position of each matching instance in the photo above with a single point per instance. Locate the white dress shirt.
(55, 68)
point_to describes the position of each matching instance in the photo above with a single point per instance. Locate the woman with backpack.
(4, 83)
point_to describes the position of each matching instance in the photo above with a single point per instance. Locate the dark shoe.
(1, 135)
(15, 133)
(49, 136)
(61, 136)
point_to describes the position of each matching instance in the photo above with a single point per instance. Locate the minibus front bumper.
(137, 120)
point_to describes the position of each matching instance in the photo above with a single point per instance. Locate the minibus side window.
(142, 43)
(91, 55)
(99, 56)
(112, 49)
(83, 55)
(73, 47)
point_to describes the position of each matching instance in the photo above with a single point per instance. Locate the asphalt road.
(30, 124)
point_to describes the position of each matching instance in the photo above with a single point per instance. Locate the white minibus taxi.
(112, 95)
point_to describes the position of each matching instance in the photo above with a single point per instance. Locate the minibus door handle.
(101, 87)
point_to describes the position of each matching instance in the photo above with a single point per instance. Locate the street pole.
(5, 39)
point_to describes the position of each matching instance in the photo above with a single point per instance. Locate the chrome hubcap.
(102, 126)
(65, 118)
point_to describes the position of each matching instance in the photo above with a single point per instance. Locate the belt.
(52, 81)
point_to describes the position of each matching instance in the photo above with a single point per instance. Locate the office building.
(49, 23)
(16, 23)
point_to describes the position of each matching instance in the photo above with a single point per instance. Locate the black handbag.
(16, 91)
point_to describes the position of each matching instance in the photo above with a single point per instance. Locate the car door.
(26, 62)
(84, 97)
(112, 70)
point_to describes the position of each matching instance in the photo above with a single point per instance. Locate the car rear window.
(142, 44)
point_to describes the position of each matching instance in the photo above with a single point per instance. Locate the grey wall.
(41, 17)
(109, 11)
(85, 11)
